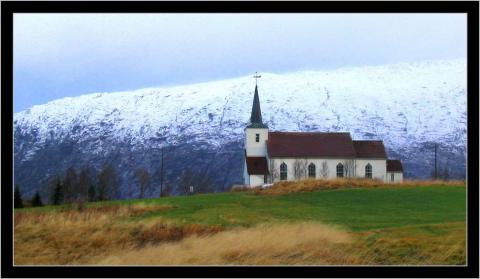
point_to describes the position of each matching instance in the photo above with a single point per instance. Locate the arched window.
(368, 171)
(311, 170)
(339, 170)
(283, 171)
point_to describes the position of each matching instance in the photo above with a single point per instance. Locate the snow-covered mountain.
(408, 105)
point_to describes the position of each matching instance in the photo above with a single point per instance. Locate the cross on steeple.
(256, 76)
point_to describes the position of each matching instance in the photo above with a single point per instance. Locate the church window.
(391, 177)
(257, 137)
(283, 171)
(339, 170)
(368, 171)
(311, 170)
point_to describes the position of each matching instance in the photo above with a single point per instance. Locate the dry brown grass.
(104, 236)
(309, 185)
(435, 244)
(113, 235)
(73, 237)
(291, 244)
(72, 215)
(307, 244)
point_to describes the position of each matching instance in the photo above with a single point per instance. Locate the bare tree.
(162, 177)
(70, 182)
(143, 178)
(186, 180)
(204, 185)
(167, 190)
(107, 183)
(201, 183)
(296, 169)
(446, 171)
(85, 181)
(274, 174)
(300, 168)
(349, 167)
(304, 167)
(324, 169)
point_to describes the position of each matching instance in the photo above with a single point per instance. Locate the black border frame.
(10, 7)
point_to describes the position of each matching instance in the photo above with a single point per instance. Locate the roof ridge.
(290, 132)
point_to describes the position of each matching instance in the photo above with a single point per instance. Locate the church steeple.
(256, 116)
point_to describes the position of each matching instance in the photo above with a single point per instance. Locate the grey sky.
(59, 55)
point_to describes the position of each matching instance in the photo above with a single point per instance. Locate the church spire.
(256, 116)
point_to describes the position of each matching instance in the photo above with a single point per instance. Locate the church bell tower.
(256, 135)
(256, 132)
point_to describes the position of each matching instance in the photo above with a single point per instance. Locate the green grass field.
(404, 224)
(356, 209)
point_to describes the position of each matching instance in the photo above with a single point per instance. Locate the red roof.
(310, 144)
(257, 165)
(394, 165)
(369, 149)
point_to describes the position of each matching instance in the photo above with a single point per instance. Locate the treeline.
(195, 183)
(87, 185)
(78, 186)
(442, 173)
(20, 202)
(84, 185)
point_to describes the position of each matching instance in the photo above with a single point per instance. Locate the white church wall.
(397, 177)
(246, 177)
(331, 166)
(252, 147)
(256, 180)
(378, 167)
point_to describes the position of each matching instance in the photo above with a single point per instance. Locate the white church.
(273, 156)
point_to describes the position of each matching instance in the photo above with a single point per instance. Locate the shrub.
(37, 201)
(17, 198)
(57, 195)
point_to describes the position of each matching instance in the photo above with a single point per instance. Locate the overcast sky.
(59, 55)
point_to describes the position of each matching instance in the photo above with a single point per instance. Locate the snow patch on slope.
(400, 104)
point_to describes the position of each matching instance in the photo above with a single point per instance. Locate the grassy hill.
(389, 225)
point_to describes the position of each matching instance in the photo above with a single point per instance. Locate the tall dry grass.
(82, 237)
(309, 185)
(433, 244)
(106, 236)
(291, 244)
(305, 244)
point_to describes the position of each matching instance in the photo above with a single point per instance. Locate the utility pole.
(161, 175)
(436, 174)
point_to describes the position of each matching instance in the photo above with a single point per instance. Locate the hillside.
(409, 106)
(390, 225)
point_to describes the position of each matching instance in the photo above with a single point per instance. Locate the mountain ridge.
(407, 105)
